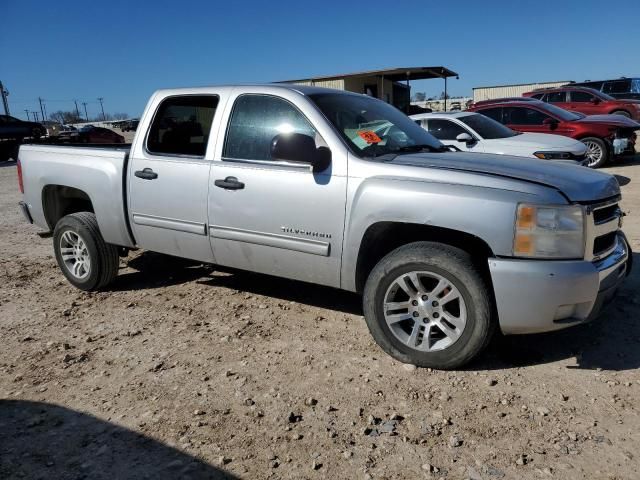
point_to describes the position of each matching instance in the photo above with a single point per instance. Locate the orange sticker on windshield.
(369, 136)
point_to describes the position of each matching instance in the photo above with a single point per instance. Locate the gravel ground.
(180, 370)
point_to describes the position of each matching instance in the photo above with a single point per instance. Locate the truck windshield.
(487, 127)
(372, 127)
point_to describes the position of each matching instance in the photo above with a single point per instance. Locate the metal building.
(391, 85)
(516, 90)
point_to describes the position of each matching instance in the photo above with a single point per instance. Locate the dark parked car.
(587, 100)
(625, 88)
(129, 125)
(604, 135)
(14, 128)
(91, 134)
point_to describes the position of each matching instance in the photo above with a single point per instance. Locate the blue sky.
(123, 50)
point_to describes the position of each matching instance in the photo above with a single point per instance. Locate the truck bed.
(98, 171)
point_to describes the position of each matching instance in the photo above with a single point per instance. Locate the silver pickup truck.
(344, 190)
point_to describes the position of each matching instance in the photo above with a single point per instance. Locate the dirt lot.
(182, 371)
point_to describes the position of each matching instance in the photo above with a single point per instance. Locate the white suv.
(473, 132)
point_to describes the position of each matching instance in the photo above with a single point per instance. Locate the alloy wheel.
(425, 311)
(75, 254)
(595, 153)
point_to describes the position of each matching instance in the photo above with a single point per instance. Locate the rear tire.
(597, 152)
(88, 262)
(440, 329)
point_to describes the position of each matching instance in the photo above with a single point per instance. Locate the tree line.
(72, 117)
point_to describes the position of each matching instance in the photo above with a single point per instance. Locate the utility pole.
(84, 104)
(41, 108)
(27, 112)
(100, 99)
(35, 116)
(5, 102)
(77, 111)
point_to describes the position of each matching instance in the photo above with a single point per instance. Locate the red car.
(587, 100)
(604, 135)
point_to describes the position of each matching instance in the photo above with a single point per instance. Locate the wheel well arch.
(383, 237)
(593, 135)
(61, 200)
(619, 109)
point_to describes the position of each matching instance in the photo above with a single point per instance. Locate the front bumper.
(534, 296)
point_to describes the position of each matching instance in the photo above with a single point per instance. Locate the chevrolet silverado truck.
(344, 190)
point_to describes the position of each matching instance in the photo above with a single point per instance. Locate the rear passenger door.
(168, 178)
(272, 216)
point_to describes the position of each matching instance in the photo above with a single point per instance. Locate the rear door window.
(181, 125)
(495, 113)
(556, 97)
(445, 129)
(619, 86)
(581, 97)
(523, 116)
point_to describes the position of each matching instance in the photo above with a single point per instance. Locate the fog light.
(565, 311)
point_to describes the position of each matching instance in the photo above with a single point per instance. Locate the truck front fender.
(484, 213)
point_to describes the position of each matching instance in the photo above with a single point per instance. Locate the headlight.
(549, 231)
(552, 155)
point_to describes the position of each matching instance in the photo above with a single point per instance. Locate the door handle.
(229, 183)
(146, 174)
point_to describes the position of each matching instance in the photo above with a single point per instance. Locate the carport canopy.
(393, 74)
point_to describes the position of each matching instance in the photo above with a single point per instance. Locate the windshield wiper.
(421, 147)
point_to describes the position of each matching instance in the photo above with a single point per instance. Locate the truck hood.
(613, 120)
(541, 141)
(578, 184)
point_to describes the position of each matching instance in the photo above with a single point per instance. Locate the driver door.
(272, 216)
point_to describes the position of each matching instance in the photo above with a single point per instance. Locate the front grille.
(603, 223)
(604, 243)
(605, 214)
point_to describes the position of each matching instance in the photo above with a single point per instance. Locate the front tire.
(427, 304)
(88, 262)
(597, 152)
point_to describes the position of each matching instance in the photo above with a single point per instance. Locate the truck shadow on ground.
(41, 440)
(611, 342)
(154, 270)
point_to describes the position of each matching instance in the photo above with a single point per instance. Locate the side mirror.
(464, 138)
(595, 100)
(552, 123)
(300, 148)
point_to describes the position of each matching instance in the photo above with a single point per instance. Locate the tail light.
(20, 184)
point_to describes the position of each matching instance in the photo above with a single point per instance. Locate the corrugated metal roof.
(501, 91)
